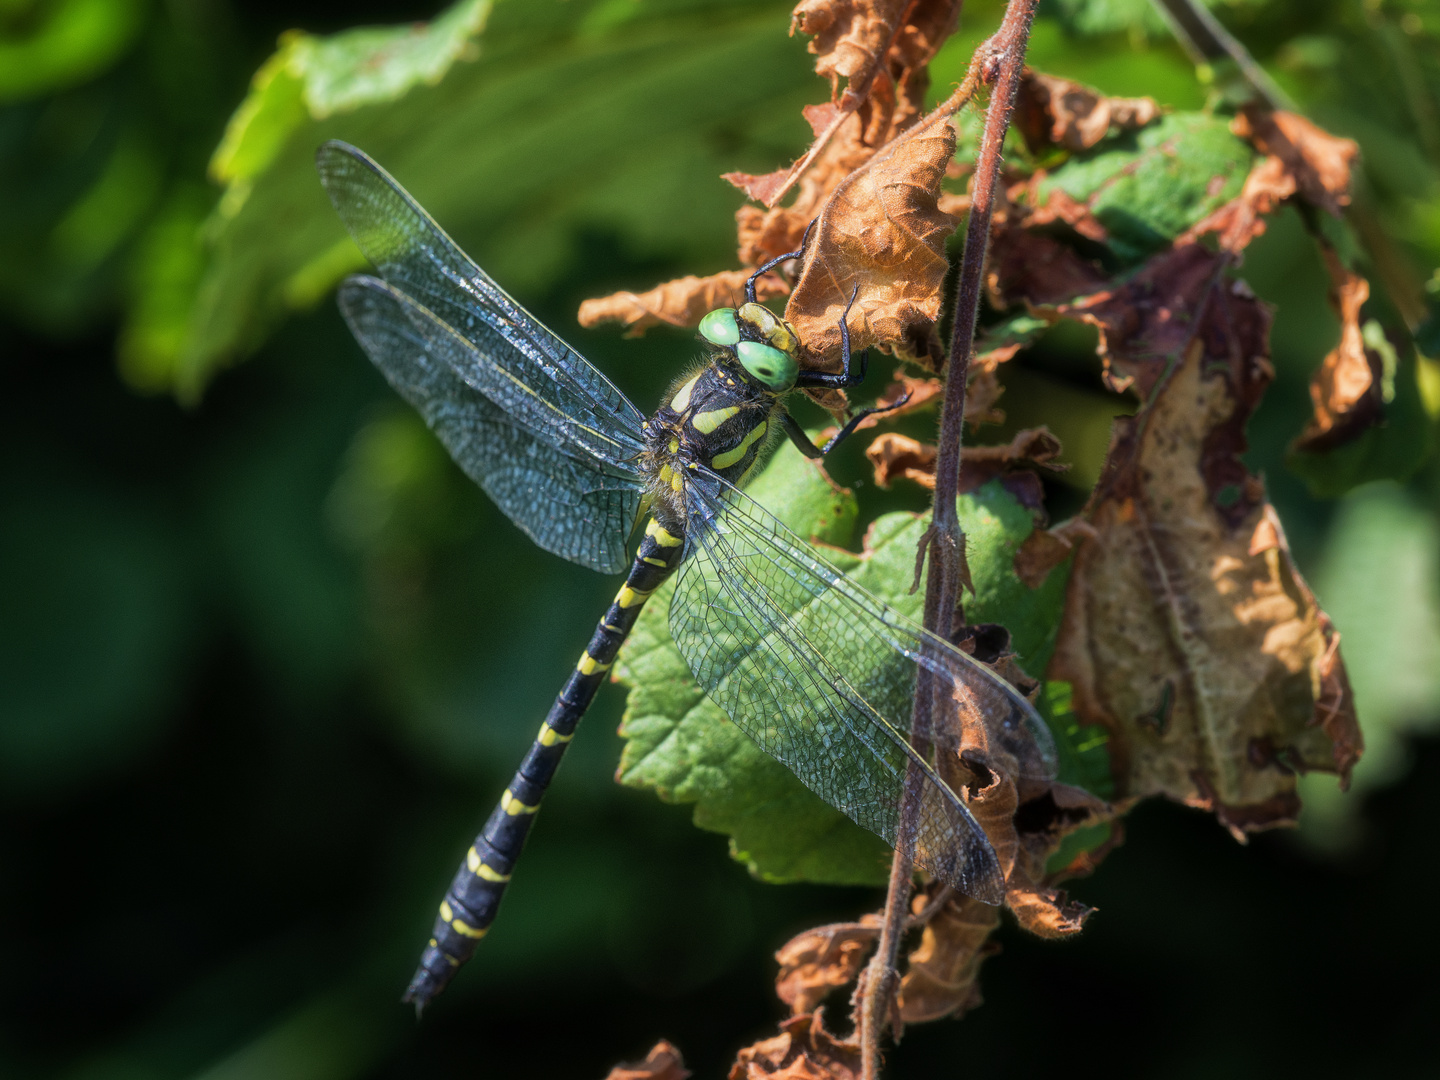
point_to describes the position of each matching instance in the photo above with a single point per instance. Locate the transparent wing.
(568, 503)
(822, 675)
(514, 361)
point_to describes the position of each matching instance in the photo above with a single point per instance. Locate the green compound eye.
(768, 366)
(719, 327)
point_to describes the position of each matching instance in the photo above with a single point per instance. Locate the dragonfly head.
(763, 344)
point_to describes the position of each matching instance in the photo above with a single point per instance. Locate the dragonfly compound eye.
(720, 327)
(767, 365)
(764, 325)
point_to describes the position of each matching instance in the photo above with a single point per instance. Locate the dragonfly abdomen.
(473, 898)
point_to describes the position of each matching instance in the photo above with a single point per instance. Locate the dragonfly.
(820, 673)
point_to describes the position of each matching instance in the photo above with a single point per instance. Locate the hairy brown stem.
(1002, 61)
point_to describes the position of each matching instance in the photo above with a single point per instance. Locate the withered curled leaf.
(815, 962)
(682, 302)
(1051, 111)
(803, 1050)
(894, 456)
(881, 48)
(942, 978)
(662, 1063)
(1201, 651)
(1321, 163)
(881, 238)
(1346, 389)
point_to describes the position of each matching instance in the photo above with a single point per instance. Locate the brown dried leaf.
(1192, 645)
(1320, 162)
(1051, 111)
(803, 1050)
(1046, 818)
(1045, 549)
(881, 47)
(682, 302)
(662, 1063)
(942, 978)
(1035, 269)
(894, 456)
(848, 37)
(898, 457)
(815, 962)
(1059, 206)
(1346, 388)
(881, 232)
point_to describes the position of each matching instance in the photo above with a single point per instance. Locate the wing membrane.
(570, 504)
(514, 361)
(822, 675)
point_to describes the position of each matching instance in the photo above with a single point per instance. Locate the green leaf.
(684, 748)
(63, 43)
(550, 130)
(1149, 186)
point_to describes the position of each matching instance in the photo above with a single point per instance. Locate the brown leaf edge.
(662, 1063)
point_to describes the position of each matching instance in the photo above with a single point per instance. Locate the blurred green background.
(266, 657)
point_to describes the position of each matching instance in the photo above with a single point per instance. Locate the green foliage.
(559, 112)
(262, 662)
(1149, 187)
(685, 749)
(47, 46)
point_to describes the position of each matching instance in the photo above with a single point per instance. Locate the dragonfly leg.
(841, 381)
(765, 269)
(802, 441)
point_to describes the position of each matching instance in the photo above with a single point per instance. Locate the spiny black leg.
(802, 441)
(847, 378)
(750, 282)
(854, 422)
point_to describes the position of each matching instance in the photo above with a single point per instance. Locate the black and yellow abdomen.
(471, 902)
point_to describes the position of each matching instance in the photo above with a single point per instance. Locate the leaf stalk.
(1001, 62)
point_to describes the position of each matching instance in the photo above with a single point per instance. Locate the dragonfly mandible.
(818, 672)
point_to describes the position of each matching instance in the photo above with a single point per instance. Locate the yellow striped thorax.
(723, 416)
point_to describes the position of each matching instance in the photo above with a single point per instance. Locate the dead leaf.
(1320, 162)
(848, 37)
(1036, 269)
(1187, 646)
(803, 1050)
(662, 1063)
(682, 302)
(1044, 819)
(1242, 219)
(818, 961)
(881, 236)
(942, 978)
(881, 47)
(1045, 549)
(1346, 389)
(1051, 111)
(894, 456)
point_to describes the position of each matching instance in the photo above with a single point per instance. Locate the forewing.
(515, 362)
(821, 674)
(573, 505)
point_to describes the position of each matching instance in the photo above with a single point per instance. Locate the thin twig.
(1002, 60)
(1205, 41)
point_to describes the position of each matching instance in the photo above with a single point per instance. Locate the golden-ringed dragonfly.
(820, 673)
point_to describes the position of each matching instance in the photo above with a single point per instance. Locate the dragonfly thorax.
(714, 420)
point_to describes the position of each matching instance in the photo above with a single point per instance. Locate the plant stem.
(1205, 40)
(1002, 61)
